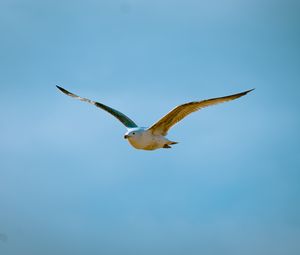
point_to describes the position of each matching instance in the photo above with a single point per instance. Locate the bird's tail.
(167, 145)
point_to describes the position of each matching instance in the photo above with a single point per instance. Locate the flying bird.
(154, 137)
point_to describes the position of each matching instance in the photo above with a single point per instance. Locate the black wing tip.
(63, 90)
(60, 88)
(244, 93)
(248, 91)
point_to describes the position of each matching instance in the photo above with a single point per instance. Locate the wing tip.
(248, 91)
(244, 93)
(60, 88)
(63, 90)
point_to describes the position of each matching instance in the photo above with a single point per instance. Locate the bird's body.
(144, 139)
(154, 137)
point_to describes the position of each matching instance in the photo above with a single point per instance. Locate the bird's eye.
(133, 133)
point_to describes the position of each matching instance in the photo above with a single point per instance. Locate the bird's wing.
(162, 126)
(120, 116)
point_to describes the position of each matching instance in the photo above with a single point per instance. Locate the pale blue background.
(70, 183)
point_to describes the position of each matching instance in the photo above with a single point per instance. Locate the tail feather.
(167, 145)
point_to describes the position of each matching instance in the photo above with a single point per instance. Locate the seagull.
(154, 137)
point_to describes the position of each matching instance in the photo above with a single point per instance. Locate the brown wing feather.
(178, 113)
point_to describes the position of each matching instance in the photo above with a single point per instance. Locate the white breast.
(147, 141)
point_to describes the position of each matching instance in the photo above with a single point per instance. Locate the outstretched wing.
(120, 116)
(162, 126)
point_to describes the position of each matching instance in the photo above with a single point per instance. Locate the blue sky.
(70, 183)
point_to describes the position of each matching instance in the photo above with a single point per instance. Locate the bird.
(154, 137)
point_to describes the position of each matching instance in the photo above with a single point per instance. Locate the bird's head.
(133, 133)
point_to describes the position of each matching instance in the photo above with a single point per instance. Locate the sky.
(70, 183)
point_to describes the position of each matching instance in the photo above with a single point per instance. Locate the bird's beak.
(126, 136)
